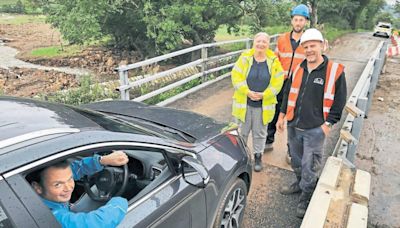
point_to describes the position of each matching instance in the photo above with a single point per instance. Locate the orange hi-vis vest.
(333, 71)
(285, 54)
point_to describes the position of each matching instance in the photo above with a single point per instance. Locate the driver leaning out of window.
(56, 184)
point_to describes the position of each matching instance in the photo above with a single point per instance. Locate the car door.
(171, 203)
(31, 202)
(12, 212)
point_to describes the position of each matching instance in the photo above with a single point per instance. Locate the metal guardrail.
(126, 85)
(358, 106)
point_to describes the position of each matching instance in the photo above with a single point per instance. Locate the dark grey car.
(184, 170)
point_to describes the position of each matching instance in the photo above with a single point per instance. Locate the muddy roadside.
(266, 206)
(378, 149)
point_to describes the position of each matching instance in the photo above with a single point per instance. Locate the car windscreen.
(111, 123)
(384, 26)
(162, 131)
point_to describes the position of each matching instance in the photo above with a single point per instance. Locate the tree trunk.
(357, 13)
(313, 5)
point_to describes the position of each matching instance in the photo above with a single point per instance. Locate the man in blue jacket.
(56, 184)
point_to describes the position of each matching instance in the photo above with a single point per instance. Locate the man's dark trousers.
(306, 147)
(272, 125)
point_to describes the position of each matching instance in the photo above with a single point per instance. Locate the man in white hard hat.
(312, 102)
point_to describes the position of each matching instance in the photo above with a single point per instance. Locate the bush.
(17, 8)
(87, 92)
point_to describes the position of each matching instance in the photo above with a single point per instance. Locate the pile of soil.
(25, 82)
(100, 61)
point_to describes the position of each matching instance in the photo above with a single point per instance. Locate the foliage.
(262, 13)
(397, 7)
(223, 33)
(87, 92)
(78, 21)
(170, 22)
(347, 12)
(384, 17)
(18, 7)
(338, 13)
(367, 18)
(173, 92)
(150, 27)
(332, 32)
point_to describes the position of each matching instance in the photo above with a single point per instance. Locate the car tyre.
(231, 209)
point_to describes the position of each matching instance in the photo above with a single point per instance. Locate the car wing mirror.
(194, 172)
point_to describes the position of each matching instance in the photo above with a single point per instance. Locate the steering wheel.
(106, 182)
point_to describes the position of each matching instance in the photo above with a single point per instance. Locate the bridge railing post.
(248, 44)
(204, 56)
(124, 82)
(357, 128)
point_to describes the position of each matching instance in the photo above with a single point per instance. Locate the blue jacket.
(109, 215)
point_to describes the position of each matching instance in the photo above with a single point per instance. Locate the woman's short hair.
(261, 34)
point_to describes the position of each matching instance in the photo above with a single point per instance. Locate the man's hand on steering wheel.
(107, 179)
(116, 158)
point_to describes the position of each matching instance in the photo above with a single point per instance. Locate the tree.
(169, 22)
(262, 13)
(150, 27)
(367, 19)
(384, 17)
(337, 13)
(397, 7)
(357, 12)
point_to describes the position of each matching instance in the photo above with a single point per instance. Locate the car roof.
(384, 23)
(20, 116)
(32, 129)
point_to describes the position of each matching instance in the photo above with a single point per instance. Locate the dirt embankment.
(29, 36)
(31, 82)
(17, 78)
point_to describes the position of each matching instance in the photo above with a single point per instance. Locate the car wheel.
(231, 209)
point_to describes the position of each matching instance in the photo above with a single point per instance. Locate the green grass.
(332, 33)
(56, 51)
(276, 29)
(223, 35)
(21, 19)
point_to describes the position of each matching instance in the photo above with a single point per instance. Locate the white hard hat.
(311, 34)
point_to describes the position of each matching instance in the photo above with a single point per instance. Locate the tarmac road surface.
(266, 207)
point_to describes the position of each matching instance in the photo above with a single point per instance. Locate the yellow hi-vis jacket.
(239, 74)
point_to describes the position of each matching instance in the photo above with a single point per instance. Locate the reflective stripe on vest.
(333, 71)
(285, 52)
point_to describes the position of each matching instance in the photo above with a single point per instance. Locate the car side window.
(4, 220)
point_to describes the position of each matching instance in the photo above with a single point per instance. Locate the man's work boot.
(301, 209)
(290, 189)
(268, 147)
(257, 162)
